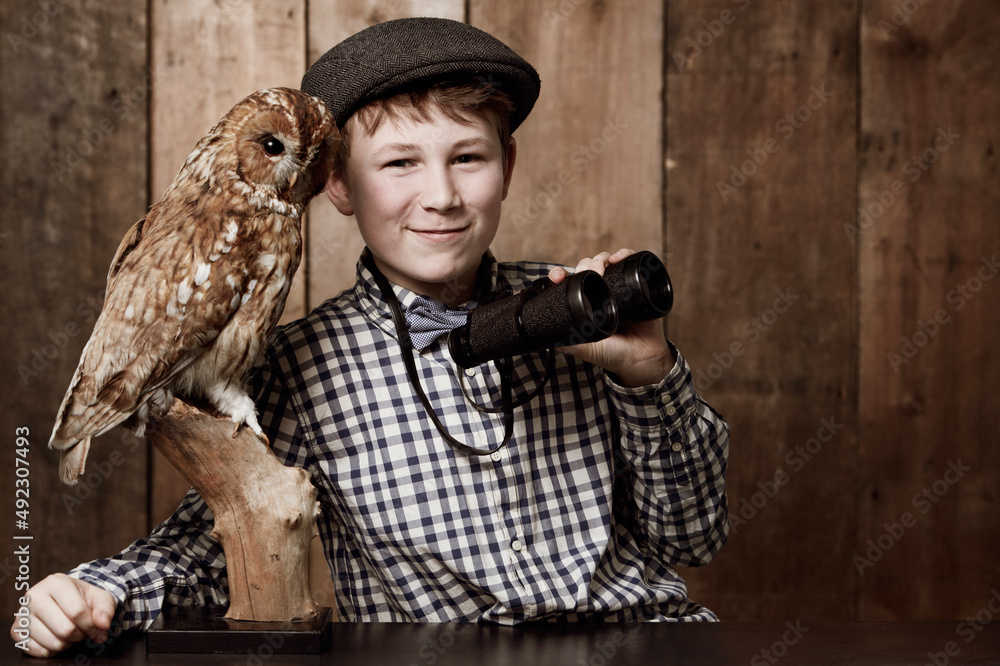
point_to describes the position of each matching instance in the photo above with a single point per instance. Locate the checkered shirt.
(583, 515)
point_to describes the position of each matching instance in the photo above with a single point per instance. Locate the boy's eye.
(468, 159)
(402, 162)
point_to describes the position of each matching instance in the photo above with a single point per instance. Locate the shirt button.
(671, 410)
(516, 545)
(470, 372)
(676, 448)
(495, 456)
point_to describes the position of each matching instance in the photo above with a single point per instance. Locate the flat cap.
(389, 56)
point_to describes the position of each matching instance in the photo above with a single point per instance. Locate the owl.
(198, 284)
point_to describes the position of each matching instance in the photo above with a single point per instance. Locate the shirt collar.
(372, 303)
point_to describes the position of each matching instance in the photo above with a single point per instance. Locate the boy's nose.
(440, 193)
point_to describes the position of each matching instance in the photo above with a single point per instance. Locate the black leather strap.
(406, 347)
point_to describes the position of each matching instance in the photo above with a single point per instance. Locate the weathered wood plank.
(589, 174)
(929, 240)
(206, 56)
(761, 110)
(73, 124)
(334, 242)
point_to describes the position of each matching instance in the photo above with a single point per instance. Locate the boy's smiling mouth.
(439, 235)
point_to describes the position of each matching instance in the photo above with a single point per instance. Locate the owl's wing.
(129, 243)
(176, 280)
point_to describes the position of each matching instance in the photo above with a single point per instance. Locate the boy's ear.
(508, 170)
(336, 191)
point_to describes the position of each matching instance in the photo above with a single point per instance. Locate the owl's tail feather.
(73, 460)
(86, 421)
(75, 428)
(90, 408)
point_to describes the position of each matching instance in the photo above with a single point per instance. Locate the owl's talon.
(236, 430)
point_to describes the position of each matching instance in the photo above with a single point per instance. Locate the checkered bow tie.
(428, 320)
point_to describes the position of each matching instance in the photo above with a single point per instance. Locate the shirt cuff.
(667, 405)
(99, 577)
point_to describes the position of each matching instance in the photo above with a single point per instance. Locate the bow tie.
(428, 320)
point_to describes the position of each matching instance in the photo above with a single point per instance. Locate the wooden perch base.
(265, 513)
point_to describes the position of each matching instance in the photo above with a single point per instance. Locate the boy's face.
(426, 195)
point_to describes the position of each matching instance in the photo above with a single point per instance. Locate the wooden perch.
(265, 513)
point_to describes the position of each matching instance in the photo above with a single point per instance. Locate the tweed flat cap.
(386, 57)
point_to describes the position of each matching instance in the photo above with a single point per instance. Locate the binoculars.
(582, 308)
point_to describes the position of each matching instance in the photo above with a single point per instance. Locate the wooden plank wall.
(74, 123)
(597, 127)
(929, 400)
(766, 279)
(853, 356)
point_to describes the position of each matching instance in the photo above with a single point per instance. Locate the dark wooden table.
(803, 642)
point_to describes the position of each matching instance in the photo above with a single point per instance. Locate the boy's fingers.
(49, 630)
(46, 616)
(62, 611)
(102, 604)
(89, 608)
(620, 254)
(597, 263)
(558, 274)
(43, 642)
(74, 606)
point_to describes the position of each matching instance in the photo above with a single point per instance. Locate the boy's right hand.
(64, 611)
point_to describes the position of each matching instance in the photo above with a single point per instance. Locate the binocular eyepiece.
(582, 308)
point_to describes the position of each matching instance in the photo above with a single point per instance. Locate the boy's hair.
(458, 99)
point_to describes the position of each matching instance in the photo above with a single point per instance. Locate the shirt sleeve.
(675, 448)
(181, 563)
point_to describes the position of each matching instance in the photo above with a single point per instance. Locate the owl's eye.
(272, 146)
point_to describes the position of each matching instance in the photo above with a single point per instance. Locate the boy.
(503, 493)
